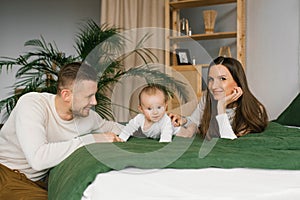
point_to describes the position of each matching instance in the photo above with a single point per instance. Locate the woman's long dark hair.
(250, 114)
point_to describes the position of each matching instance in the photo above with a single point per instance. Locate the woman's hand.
(106, 137)
(177, 120)
(234, 96)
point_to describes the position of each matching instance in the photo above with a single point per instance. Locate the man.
(44, 129)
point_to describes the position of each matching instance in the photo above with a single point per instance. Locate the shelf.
(198, 3)
(188, 67)
(220, 35)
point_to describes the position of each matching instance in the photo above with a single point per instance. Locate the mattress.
(195, 184)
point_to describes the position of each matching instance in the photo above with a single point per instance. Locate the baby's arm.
(166, 130)
(130, 128)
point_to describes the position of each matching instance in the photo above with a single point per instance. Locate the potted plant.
(38, 68)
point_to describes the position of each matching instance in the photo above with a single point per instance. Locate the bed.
(256, 166)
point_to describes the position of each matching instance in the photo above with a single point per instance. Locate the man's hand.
(106, 137)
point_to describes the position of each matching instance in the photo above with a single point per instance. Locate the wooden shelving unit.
(198, 3)
(172, 18)
(212, 36)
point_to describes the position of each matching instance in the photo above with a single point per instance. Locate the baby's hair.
(152, 90)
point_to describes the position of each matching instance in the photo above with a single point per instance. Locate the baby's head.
(153, 102)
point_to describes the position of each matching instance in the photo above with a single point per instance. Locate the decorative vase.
(225, 51)
(209, 20)
(184, 26)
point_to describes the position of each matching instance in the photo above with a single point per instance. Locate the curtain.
(133, 13)
(135, 18)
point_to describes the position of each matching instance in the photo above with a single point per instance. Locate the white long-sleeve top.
(224, 120)
(162, 129)
(35, 138)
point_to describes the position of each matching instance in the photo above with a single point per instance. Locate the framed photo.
(183, 57)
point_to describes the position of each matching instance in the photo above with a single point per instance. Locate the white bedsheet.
(195, 184)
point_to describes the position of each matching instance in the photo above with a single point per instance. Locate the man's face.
(84, 98)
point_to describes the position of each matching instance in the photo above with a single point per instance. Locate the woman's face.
(220, 82)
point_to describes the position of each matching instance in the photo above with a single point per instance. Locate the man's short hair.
(75, 71)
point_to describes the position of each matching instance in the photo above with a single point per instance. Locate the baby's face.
(153, 106)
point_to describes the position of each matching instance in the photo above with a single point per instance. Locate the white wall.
(273, 52)
(55, 20)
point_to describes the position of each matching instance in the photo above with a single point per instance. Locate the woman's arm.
(194, 118)
(225, 128)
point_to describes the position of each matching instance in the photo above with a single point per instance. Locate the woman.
(228, 109)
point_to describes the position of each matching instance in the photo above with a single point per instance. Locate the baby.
(153, 120)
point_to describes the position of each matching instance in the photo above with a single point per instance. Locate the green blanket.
(278, 147)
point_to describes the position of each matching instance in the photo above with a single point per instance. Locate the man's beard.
(80, 113)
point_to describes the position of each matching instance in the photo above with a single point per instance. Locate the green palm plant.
(37, 73)
(96, 45)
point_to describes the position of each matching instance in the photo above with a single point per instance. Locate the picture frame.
(183, 57)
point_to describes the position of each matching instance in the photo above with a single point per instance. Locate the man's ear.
(66, 95)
